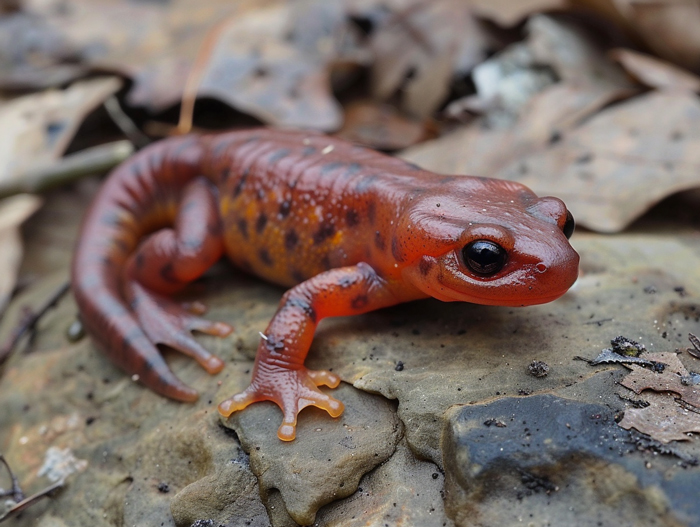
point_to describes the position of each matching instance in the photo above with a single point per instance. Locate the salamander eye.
(484, 257)
(569, 225)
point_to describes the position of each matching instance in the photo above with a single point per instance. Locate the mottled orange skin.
(352, 230)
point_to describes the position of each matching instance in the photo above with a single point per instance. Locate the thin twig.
(124, 122)
(194, 78)
(15, 492)
(90, 161)
(29, 320)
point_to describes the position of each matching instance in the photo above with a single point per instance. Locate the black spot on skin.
(309, 150)
(379, 241)
(352, 218)
(359, 302)
(371, 212)
(353, 168)
(122, 245)
(242, 225)
(265, 256)
(241, 182)
(140, 260)
(225, 173)
(396, 249)
(324, 232)
(107, 261)
(297, 275)
(279, 154)
(260, 223)
(304, 305)
(425, 266)
(285, 208)
(167, 273)
(365, 183)
(326, 262)
(330, 167)
(290, 240)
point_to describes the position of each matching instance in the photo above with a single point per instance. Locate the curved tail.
(139, 197)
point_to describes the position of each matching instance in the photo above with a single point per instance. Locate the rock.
(556, 461)
(326, 460)
(402, 491)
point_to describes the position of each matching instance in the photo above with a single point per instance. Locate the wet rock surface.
(420, 382)
(558, 461)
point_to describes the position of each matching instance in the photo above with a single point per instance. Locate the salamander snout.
(553, 210)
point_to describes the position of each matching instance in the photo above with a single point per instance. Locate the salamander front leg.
(279, 374)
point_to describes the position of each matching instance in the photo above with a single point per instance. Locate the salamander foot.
(166, 322)
(291, 390)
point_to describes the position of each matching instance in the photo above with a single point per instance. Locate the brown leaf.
(664, 419)
(13, 212)
(654, 72)
(667, 381)
(508, 13)
(572, 52)
(275, 64)
(479, 150)
(670, 28)
(38, 128)
(620, 162)
(420, 46)
(380, 126)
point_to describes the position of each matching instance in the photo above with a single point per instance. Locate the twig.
(19, 507)
(17, 495)
(194, 78)
(29, 320)
(695, 352)
(15, 492)
(124, 122)
(70, 168)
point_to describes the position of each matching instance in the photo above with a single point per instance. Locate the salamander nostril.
(541, 267)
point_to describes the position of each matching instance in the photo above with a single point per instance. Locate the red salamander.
(347, 229)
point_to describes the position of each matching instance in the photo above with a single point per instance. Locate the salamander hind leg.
(165, 263)
(279, 374)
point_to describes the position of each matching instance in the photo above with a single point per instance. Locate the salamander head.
(489, 242)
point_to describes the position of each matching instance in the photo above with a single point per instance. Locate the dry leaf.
(620, 162)
(380, 126)
(38, 128)
(670, 380)
(664, 419)
(654, 72)
(480, 150)
(13, 212)
(670, 28)
(572, 52)
(419, 46)
(508, 13)
(275, 64)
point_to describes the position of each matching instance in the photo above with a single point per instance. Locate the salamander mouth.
(494, 300)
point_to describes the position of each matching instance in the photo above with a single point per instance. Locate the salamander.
(347, 229)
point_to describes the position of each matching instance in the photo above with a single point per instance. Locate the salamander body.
(348, 229)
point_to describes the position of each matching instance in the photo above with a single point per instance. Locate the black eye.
(569, 225)
(484, 257)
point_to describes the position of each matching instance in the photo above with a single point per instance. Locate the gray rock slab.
(558, 461)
